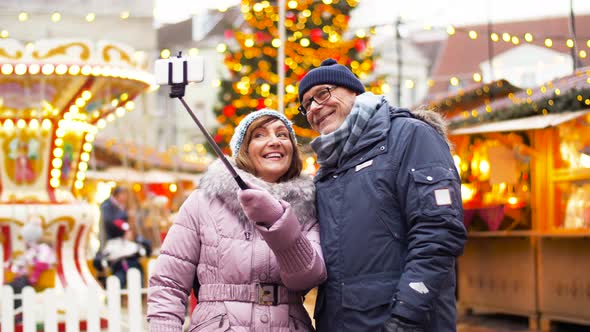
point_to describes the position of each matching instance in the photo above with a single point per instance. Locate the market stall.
(525, 167)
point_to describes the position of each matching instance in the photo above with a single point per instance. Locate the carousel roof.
(69, 79)
(55, 94)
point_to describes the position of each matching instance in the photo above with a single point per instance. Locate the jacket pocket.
(366, 292)
(437, 190)
(219, 323)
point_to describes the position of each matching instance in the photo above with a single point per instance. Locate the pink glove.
(259, 206)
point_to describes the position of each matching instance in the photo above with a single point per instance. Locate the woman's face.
(271, 150)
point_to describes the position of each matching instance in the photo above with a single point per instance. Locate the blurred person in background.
(114, 219)
(120, 249)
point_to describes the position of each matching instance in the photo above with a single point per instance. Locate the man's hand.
(259, 206)
(399, 324)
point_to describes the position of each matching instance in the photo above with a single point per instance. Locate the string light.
(477, 77)
(20, 69)
(74, 70)
(165, 53)
(548, 42)
(6, 69)
(515, 40)
(56, 17)
(221, 48)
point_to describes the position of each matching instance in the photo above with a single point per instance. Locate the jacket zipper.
(249, 231)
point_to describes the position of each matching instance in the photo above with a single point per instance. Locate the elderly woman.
(251, 254)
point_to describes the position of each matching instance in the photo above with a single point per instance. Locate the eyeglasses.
(320, 98)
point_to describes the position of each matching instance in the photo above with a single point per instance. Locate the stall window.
(495, 175)
(574, 144)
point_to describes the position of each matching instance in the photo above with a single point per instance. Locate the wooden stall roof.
(528, 123)
(568, 93)
(453, 103)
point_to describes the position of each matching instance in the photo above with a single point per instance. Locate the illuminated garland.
(570, 93)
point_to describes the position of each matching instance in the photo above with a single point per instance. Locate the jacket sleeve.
(429, 191)
(108, 216)
(110, 213)
(297, 249)
(175, 270)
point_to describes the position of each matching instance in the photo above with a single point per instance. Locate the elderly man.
(389, 208)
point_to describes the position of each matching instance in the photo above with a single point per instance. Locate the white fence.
(94, 309)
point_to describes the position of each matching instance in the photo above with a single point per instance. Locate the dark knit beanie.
(330, 72)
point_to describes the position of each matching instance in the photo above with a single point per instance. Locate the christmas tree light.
(315, 32)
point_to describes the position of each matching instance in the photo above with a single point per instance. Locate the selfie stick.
(177, 91)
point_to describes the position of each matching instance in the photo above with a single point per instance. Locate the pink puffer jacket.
(251, 278)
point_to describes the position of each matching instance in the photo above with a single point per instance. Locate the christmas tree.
(314, 31)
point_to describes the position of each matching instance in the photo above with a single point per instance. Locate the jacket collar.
(298, 192)
(375, 133)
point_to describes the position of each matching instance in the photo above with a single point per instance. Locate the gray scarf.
(333, 147)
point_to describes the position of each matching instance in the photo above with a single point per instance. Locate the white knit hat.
(242, 127)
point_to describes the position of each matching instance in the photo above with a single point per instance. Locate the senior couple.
(378, 228)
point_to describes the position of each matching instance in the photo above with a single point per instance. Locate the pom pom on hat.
(236, 141)
(330, 72)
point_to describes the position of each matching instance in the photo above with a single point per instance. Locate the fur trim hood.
(435, 120)
(299, 192)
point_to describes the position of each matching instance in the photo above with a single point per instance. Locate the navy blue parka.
(391, 227)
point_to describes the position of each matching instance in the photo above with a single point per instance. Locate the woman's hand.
(259, 206)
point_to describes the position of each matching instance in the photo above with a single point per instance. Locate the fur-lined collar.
(435, 120)
(298, 192)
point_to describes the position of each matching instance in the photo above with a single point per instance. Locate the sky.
(417, 13)
(172, 11)
(441, 13)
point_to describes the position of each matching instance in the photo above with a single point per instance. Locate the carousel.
(54, 97)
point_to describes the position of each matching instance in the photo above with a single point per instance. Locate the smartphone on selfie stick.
(178, 72)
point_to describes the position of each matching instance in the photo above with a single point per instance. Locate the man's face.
(331, 114)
